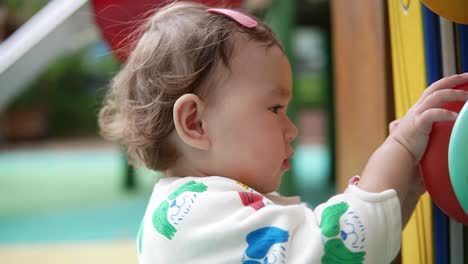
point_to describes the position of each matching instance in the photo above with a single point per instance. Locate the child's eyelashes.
(276, 108)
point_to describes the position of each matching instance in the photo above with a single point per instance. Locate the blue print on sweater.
(266, 246)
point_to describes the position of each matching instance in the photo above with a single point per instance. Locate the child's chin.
(272, 187)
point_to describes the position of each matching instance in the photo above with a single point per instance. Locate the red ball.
(435, 170)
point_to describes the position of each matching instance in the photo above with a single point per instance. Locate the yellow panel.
(409, 77)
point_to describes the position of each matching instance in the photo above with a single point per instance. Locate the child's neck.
(184, 171)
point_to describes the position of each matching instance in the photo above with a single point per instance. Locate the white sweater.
(217, 220)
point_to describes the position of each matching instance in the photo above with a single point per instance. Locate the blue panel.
(463, 46)
(432, 52)
(432, 49)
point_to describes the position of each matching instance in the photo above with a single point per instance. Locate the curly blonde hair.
(179, 51)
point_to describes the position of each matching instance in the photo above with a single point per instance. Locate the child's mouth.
(286, 165)
(287, 162)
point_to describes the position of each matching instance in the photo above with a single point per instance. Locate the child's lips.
(286, 163)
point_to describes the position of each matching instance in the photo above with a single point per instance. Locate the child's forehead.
(265, 70)
(251, 61)
(248, 51)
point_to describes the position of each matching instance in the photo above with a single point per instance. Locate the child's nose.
(291, 131)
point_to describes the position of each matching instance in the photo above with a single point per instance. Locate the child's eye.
(275, 109)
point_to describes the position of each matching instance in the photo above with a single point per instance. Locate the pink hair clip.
(240, 18)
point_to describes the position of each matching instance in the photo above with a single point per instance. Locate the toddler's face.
(248, 125)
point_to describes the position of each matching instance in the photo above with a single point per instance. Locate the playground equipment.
(119, 20)
(60, 28)
(427, 46)
(453, 10)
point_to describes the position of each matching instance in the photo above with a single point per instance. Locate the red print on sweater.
(252, 199)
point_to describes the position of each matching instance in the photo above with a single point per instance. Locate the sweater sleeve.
(360, 225)
(225, 222)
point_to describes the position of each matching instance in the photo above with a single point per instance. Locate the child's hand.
(412, 131)
(395, 164)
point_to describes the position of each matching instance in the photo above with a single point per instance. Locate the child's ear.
(188, 113)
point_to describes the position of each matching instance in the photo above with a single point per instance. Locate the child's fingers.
(423, 123)
(441, 97)
(445, 83)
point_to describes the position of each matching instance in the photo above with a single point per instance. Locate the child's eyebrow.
(280, 92)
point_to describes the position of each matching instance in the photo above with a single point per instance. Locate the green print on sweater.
(161, 223)
(335, 250)
(173, 210)
(190, 186)
(330, 224)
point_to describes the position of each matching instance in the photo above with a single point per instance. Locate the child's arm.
(417, 187)
(392, 165)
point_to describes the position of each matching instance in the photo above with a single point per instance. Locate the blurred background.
(67, 196)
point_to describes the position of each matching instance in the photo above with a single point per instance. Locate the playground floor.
(67, 199)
